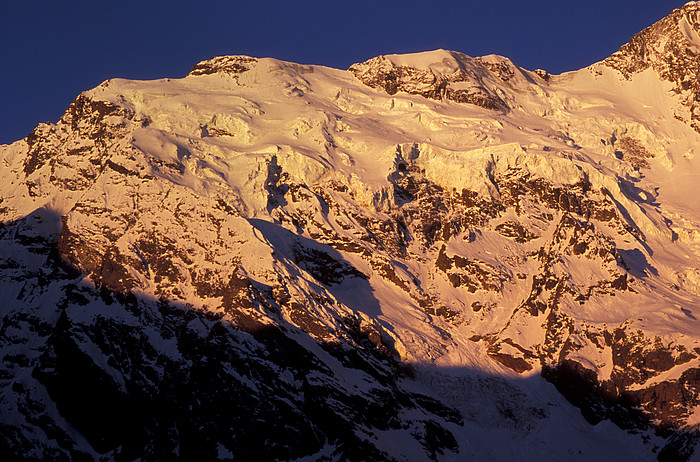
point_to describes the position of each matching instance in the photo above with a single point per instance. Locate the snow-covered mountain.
(426, 257)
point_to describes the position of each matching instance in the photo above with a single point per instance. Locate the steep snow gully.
(428, 256)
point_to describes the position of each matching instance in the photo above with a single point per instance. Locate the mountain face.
(425, 257)
(671, 48)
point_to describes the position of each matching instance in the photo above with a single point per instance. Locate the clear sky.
(50, 51)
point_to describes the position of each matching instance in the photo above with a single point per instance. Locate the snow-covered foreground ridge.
(421, 258)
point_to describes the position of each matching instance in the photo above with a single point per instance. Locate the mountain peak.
(678, 34)
(670, 47)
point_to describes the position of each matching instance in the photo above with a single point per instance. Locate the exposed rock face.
(193, 269)
(633, 151)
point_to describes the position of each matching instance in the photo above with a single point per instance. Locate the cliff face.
(420, 258)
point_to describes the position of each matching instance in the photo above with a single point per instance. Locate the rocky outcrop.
(225, 64)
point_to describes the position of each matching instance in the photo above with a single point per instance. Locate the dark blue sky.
(51, 51)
